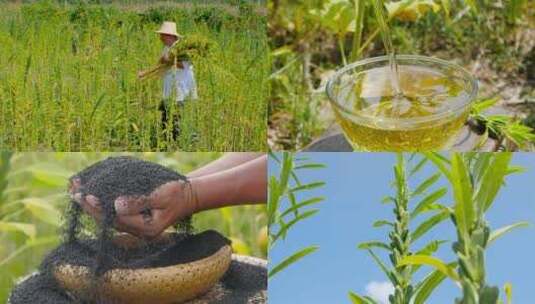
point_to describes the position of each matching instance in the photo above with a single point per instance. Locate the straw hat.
(169, 28)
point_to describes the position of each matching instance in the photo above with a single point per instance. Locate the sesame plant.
(475, 180)
(284, 208)
(408, 206)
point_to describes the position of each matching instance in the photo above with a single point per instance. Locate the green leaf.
(388, 199)
(372, 244)
(273, 155)
(308, 202)
(293, 203)
(430, 261)
(29, 244)
(440, 163)
(43, 210)
(310, 166)
(287, 166)
(381, 223)
(356, 299)
(484, 104)
(418, 166)
(292, 259)
(428, 224)
(426, 184)
(462, 192)
(307, 186)
(49, 175)
(501, 231)
(380, 263)
(294, 221)
(430, 247)
(411, 12)
(492, 180)
(27, 229)
(426, 287)
(273, 200)
(431, 198)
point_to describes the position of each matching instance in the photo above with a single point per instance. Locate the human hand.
(145, 216)
(140, 74)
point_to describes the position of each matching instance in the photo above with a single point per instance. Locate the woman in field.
(177, 74)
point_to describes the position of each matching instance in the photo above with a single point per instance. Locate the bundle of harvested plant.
(190, 48)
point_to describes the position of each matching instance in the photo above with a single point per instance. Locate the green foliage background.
(35, 197)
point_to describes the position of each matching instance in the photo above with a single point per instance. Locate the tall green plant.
(284, 209)
(401, 237)
(5, 163)
(475, 180)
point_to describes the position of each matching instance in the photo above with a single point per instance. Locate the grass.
(35, 196)
(68, 81)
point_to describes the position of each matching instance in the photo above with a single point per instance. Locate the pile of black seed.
(90, 244)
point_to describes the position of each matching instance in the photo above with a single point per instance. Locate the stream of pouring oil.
(389, 47)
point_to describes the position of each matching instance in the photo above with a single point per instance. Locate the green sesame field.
(69, 77)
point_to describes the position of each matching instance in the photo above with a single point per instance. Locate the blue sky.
(356, 183)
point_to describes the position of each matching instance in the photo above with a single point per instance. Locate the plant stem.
(360, 8)
(400, 239)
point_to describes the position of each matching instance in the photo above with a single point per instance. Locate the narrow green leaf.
(294, 221)
(379, 263)
(356, 299)
(274, 156)
(381, 223)
(430, 199)
(426, 287)
(418, 166)
(372, 244)
(430, 261)
(501, 231)
(292, 259)
(388, 199)
(43, 210)
(273, 199)
(27, 229)
(481, 165)
(426, 184)
(310, 166)
(293, 203)
(492, 180)
(440, 163)
(428, 249)
(428, 224)
(308, 202)
(308, 186)
(287, 166)
(462, 192)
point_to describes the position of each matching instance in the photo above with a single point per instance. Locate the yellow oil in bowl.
(432, 108)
